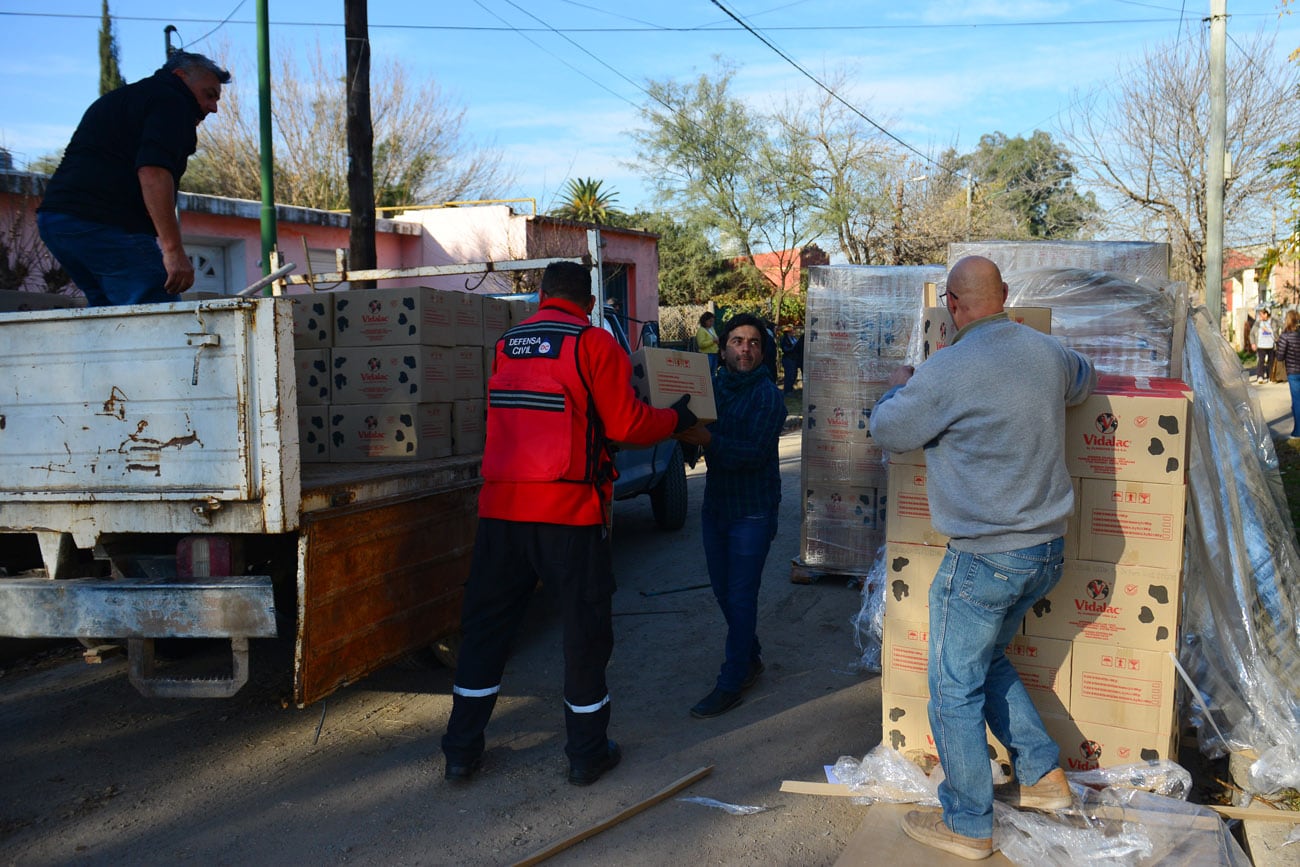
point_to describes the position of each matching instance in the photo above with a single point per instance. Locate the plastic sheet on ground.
(733, 809)
(1241, 585)
(1113, 825)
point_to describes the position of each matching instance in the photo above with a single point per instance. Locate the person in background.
(999, 489)
(559, 393)
(741, 493)
(1288, 352)
(109, 212)
(769, 348)
(706, 340)
(1263, 338)
(791, 357)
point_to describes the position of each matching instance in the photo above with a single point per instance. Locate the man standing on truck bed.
(990, 412)
(559, 393)
(109, 213)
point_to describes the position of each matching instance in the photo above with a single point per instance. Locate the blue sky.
(559, 104)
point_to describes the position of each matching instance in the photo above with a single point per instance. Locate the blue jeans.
(977, 602)
(1293, 380)
(109, 265)
(735, 551)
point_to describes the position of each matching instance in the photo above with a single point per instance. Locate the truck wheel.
(668, 498)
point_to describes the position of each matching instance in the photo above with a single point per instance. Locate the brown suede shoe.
(928, 828)
(1050, 793)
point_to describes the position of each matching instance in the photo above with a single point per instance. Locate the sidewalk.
(1275, 403)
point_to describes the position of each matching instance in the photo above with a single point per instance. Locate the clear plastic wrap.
(884, 775)
(1161, 777)
(1241, 585)
(1112, 825)
(869, 622)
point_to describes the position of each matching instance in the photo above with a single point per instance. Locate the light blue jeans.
(977, 602)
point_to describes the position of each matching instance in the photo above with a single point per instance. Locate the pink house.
(223, 237)
(798, 261)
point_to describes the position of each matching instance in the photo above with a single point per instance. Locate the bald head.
(975, 290)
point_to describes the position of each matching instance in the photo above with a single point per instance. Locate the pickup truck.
(659, 470)
(152, 451)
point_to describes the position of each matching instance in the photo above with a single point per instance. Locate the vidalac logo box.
(1105, 603)
(1130, 429)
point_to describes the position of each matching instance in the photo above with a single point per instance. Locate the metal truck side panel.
(152, 418)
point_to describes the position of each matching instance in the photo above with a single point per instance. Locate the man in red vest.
(559, 393)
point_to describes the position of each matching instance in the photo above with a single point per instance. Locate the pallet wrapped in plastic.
(1138, 258)
(860, 324)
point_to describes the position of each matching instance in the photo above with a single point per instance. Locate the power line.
(646, 28)
(788, 59)
(223, 23)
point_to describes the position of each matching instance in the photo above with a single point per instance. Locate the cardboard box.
(496, 320)
(314, 434)
(1129, 429)
(661, 376)
(313, 320)
(830, 503)
(909, 571)
(908, 508)
(1086, 746)
(1044, 668)
(905, 653)
(395, 317)
(906, 727)
(1104, 603)
(1134, 523)
(385, 432)
(393, 374)
(312, 367)
(842, 462)
(521, 310)
(1126, 687)
(467, 318)
(838, 548)
(914, 458)
(468, 426)
(938, 329)
(467, 373)
(1070, 544)
(846, 420)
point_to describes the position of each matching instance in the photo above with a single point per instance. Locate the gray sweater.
(990, 412)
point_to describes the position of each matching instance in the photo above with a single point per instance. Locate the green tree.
(110, 76)
(585, 200)
(1032, 179)
(728, 169)
(691, 270)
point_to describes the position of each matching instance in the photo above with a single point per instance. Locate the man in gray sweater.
(990, 412)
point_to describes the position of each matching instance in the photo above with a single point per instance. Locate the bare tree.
(1143, 147)
(421, 152)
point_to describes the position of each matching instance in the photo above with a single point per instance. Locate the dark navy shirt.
(152, 122)
(744, 471)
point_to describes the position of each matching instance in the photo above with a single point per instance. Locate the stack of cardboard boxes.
(1095, 654)
(395, 374)
(854, 337)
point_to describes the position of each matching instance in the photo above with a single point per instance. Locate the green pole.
(264, 119)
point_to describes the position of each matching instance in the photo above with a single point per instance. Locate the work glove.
(685, 418)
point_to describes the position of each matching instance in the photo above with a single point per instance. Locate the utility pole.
(267, 212)
(1214, 168)
(361, 137)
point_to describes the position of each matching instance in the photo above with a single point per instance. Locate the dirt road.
(93, 773)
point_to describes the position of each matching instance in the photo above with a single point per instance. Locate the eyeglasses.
(943, 297)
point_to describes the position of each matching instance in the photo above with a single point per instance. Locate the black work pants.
(510, 557)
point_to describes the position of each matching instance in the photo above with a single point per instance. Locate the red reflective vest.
(559, 393)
